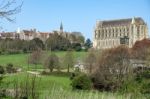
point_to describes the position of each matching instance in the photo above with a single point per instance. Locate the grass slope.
(54, 87)
(20, 60)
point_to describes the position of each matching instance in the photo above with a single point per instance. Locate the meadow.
(21, 60)
(57, 87)
(53, 86)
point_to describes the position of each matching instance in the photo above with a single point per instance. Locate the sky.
(76, 15)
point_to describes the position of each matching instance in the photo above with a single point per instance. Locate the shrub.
(2, 93)
(0, 52)
(13, 51)
(56, 73)
(145, 89)
(2, 70)
(81, 82)
(76, 46)
(74, 74)
(10, 68)
(143, 79)
(139, 84)
(25, 50)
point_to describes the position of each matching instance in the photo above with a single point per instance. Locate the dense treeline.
(14, 46)
(54, 42)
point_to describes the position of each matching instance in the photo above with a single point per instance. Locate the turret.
(133, 20)
(61, 27)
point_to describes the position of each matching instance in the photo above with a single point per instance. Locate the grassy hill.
(20, 60)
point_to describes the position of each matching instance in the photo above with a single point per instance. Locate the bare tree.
(52, 62)
(113, 67)
(7, 9)
(148, 58)
(35, 57)
(141, 51)
(69, 60)
(90, 60)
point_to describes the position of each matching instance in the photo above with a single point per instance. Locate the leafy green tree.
(76, 46)
(57, 42)
(39, 43)
(35, 44)
(88, 44)
(77, 37)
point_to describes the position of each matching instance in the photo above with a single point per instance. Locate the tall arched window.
(102, 34)
(113, 35)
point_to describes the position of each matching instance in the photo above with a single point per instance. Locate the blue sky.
(76, 15)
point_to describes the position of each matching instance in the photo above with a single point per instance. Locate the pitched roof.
(117, 22)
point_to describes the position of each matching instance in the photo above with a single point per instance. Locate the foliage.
(10, 46)
(16, 46)
(76, 46)
(77, 37)
(142, 78)
(25, 88)
(82, 82)
(54, 87)
(56, 73)
(10, 68)
(13, 51)
(88, 44)
(52, 62)
(2, 71)
(35, 44)
(57, 42)
(56, 93)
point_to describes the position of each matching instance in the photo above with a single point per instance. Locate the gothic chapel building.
(112, 33)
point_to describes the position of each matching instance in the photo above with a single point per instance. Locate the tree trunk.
(90, 69)
(68, 69)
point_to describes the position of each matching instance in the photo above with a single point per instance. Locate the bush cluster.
(81, 82)
(8, 69)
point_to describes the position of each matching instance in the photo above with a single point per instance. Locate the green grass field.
(20, 60)
(54, 87)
